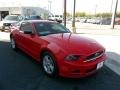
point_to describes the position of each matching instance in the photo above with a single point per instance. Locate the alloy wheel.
(48, 64)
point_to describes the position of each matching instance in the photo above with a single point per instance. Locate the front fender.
(57, 51)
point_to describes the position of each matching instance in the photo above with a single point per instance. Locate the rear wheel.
(49, 64)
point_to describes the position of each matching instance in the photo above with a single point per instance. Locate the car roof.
(36, 21)
(34, 15)
(12, 15)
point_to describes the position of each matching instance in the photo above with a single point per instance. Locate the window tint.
(34, 18)
(61, 16)
(14, 18)
(26, 27)
(45, 28)
(56, 15)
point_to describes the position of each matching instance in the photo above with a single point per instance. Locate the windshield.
(35, 17)
(46, 28)
(12, 18)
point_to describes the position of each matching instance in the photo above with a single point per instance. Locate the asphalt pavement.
(18, 71)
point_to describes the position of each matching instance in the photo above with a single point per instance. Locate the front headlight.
(1, 23)
(72, 57)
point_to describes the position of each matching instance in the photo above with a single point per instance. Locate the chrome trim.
(94, 57)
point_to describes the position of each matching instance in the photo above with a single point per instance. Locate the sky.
(88, 6)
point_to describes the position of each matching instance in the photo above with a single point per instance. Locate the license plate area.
(99, 65)
(7, 27)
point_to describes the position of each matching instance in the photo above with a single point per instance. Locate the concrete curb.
(113, 62)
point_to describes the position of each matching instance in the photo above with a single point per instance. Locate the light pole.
(49, 7)
(95, 8)
(73, 22)
(114, 15)
(64, 14)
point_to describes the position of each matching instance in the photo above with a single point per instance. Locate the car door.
(29, 40)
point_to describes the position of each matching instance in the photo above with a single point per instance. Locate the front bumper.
(6, 25)
(82, 70)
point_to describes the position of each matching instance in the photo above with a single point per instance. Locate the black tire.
(13, 43)
(50, 67)
(59, 21)
(2, 30)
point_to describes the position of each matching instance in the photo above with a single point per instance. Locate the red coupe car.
(60, 52)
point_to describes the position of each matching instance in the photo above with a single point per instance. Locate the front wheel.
(13, 44)
(49, 64)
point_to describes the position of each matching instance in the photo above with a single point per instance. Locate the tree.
(89, 16)
(67, 14)
(118, 14)
(103, 15)
(98, 15)
(106, 14)
(80, 14)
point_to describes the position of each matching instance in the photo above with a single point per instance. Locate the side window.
(26, 27)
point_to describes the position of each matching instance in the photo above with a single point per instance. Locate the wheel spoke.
(48, 64)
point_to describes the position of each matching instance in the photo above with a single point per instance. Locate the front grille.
(6, 24)
(94, 56)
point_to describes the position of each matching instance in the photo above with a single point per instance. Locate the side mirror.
(28, 32)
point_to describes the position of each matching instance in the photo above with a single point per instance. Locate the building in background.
(23, 11)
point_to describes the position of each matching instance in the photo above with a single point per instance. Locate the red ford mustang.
(58, 50)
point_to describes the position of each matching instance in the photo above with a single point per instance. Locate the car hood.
(74, 43)
(8, 21)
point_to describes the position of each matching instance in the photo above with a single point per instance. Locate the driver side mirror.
(28, 32)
